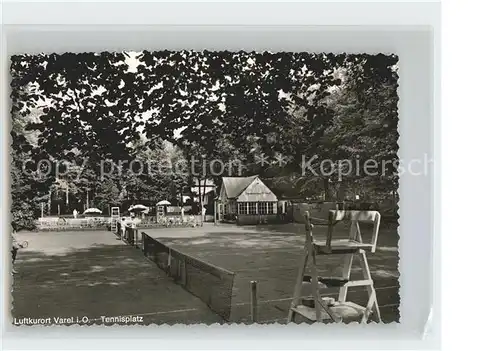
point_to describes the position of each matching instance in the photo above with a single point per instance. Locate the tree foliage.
(170, 106)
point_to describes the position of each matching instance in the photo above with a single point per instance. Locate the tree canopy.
(264, 111)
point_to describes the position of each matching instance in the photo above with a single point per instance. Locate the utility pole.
(49, 204)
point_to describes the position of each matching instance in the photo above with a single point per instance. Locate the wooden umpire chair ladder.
(115, 217)
(320, 308)
(160, 213)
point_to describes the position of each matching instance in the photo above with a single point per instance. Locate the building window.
(253, 208)
(266, 208)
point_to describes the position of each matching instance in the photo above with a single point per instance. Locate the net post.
(169, 259)
(142, 242)
(331, 223)
(216, 207)
(253, 300)
(184, 272)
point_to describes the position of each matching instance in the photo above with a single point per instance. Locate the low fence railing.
(51, 223)
(61, 223)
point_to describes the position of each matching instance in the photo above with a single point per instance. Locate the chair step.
(341, 247)
(310, 302)
(345, 311)
(329, 282)
(335, 282)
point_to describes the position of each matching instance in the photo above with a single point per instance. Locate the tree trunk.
(67, 194)
(200, 196)
(191, 185)
(327, 189)
(341, 191)
(204, 189)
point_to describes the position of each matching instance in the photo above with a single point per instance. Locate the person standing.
(203, 211)
(123, 227)
(134, 220)
(15, 247)
(75, 213)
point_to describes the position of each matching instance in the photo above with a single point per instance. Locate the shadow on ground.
(271, 254)
(101, 280)
(90, 274)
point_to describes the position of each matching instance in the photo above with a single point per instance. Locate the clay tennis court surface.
(93, 274)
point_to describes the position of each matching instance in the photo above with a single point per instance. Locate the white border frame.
(411, 30)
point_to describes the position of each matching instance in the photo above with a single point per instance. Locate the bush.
(23, 216)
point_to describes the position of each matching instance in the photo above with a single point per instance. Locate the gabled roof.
(283, 189)
(236, 185)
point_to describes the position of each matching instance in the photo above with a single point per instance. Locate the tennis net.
(211, 284)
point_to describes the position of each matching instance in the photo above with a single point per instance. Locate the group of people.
(130, 222)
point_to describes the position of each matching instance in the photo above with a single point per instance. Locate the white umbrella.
(163, 202)
(92, 210)
(138, 208)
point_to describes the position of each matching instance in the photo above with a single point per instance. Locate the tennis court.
(271, 254)
(91, 274)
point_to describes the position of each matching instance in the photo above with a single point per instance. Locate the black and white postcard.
(202, 187)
